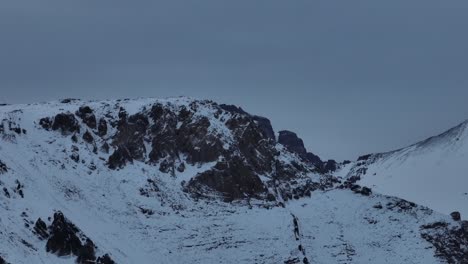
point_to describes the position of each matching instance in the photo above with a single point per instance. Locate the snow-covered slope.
(433, 172)
(188, 181)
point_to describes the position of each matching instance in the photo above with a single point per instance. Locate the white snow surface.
(433, 172)
(336, 226)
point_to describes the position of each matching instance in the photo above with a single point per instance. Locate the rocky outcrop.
(65, 239)
(128, 141)
(296, 145)
(265, 125)
(40, 229)
(450, 241)
(456, 216)
(170, 137)
(106, 259)
(87, 115)
(232, 180)
(64, 122)
(329, 166)
(102, 127)
(292, 142)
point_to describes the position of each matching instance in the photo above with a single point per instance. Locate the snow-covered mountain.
(192, 181)
(433, 172)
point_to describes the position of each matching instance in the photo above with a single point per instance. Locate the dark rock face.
(63, 239)
(86, 114)
(46, 123)
(119, 158)
(106, 259)
(87, 252)
(3, 261)
(456, 216)
(40, 228)
(88, 137)
(102, 127)
(66, 123)
(234, 180)
(450, 242)
(243, 146)
(296, 145)
(292, 142)
(265, 125)
(129, 140)
(233, 109)
(330, 166)
(312, 158)
(364, 157)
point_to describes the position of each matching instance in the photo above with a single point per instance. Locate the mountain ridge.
(240, 195)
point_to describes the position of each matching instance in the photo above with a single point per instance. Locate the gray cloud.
(350, 77)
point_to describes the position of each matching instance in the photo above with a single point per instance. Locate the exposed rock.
(3, 167)
(314, 159)
(233, 180)
(87, 253)
(87, 115)
(129, 140)
(40, 228)
(292, 142)
(366, 191)
(233, 109)
(102, 127)
(330, 166)
(456, 216)
(106, 259)
(265, 125)
(364, 157)
(46, 123)
(63, 239)
(69, 100)
(449, 241)
(6, 192)
(105, 147)
(66, 123)
(296, 145)
(119, 158)
(2, 260)
(88, 137)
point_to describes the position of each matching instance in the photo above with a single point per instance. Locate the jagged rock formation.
(450, 241)
(296, 145)
(65, 239)
(190, 181)
(169, 136)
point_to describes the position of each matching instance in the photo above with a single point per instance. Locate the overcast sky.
(350, 77)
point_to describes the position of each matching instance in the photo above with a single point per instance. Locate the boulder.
(40, 228)
(88, 137)
(456, 216)
(63, 239)
(66, 123)
(106, 259)
(87, 115)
